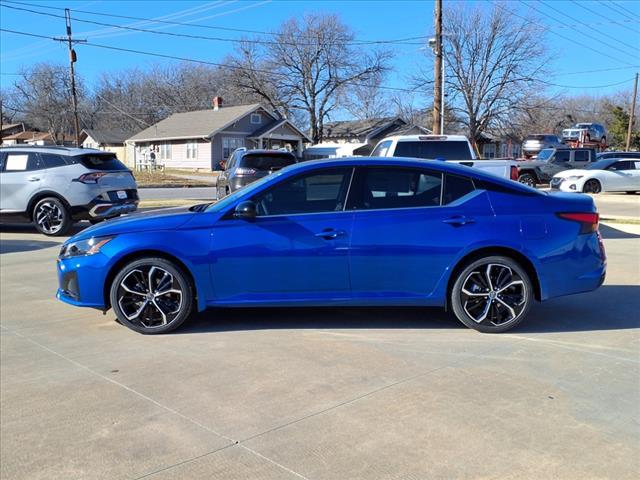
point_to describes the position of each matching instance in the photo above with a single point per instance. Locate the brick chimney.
(217, 102)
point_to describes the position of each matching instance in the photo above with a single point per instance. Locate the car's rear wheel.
(592, 186)
(492, 294)
(151, 295)
(527, 179)
(51, 217)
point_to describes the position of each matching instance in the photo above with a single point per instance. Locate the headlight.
(575, 177)
(84, 247)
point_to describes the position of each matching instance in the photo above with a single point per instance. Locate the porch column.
(300, 148)
(260, 143)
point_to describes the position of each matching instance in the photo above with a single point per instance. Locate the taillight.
(90, 177)
(588, 221)
(514, 174)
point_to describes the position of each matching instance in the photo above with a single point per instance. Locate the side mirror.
(246, 210)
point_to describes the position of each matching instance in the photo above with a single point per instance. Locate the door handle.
(459, 220)
(33, 179)
(330, 234)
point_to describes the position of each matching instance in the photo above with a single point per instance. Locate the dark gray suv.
(53, 186)
(246, 166)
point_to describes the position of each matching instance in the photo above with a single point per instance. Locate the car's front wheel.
(151, 295)
(592, 186)
(527, 179)
(492, 294)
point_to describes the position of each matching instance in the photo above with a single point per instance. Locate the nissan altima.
(351, 232)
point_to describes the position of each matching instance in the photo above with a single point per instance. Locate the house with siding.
(202, 138)
(366, 134)
(109, 140)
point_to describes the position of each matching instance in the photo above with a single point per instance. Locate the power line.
(193, 60)
(620, 9)
(402, 41)
(591, 86)
(632, 47)
(600, 14)
(548, 29)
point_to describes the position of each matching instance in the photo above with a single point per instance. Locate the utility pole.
(632, 113)
(72, 59)
(437, 71)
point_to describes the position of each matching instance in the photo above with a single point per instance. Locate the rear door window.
(22, 162)
(388, 187)
(624, 165)
(581, 156)
(52, 161)
(100, 162)
(448, 150)
(455, 187)
(266, 161)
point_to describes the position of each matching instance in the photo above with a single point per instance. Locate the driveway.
(318, 393)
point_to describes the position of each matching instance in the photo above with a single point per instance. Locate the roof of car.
(56, 149)
(417, 138)
(265, 151)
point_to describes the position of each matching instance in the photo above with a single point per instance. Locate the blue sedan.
(353, 232)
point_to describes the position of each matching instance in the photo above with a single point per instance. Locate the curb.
(179, 185)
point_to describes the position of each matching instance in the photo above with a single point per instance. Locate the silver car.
(54, 186)
(533, 144)
(586, 132)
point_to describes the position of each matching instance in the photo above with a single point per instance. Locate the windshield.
(601, 164)
(545, 154)
(267, 161)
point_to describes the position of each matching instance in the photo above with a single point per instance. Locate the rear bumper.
(106, 205)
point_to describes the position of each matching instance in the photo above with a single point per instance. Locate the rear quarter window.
(52, 161)
(456, 187)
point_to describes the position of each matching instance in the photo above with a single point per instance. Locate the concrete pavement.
(318, 393)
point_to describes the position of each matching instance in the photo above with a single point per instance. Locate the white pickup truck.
(450, 148)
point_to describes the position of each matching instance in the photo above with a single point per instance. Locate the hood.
(163, 219)
(573, 173)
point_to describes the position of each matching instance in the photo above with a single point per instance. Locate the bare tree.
(367, 100)
(493, 62)
(42, 98)
(308, 68)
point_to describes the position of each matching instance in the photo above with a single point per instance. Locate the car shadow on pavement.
(30, 229)
(612, 233)
(277, 318)
(611, 307)
(15, 246)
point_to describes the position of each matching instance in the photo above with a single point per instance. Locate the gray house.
(368, 132)
(201, 139)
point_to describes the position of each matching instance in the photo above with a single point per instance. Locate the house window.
(192, 150)
(165, 151)
(256, 118)
(229, 144)
(489, 150)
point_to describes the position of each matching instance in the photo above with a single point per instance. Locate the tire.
(151, 313)
(484, 307)
(51, 217)
(528, 179)
(633, 192)
(592, 186)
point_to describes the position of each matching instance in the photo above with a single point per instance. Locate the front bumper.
(81, 280)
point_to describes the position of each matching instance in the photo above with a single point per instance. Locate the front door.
(22, 176)
(297, 249)
(408, 228)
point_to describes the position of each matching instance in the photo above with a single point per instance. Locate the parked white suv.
(53, 186)
(450, 148)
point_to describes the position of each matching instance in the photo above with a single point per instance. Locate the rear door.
(624, 176)
(23, 175)
(581, 159)
(409, 224)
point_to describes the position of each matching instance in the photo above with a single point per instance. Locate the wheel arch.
(42, 195)
(529, 171)
(135, 255)
(502, 251)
